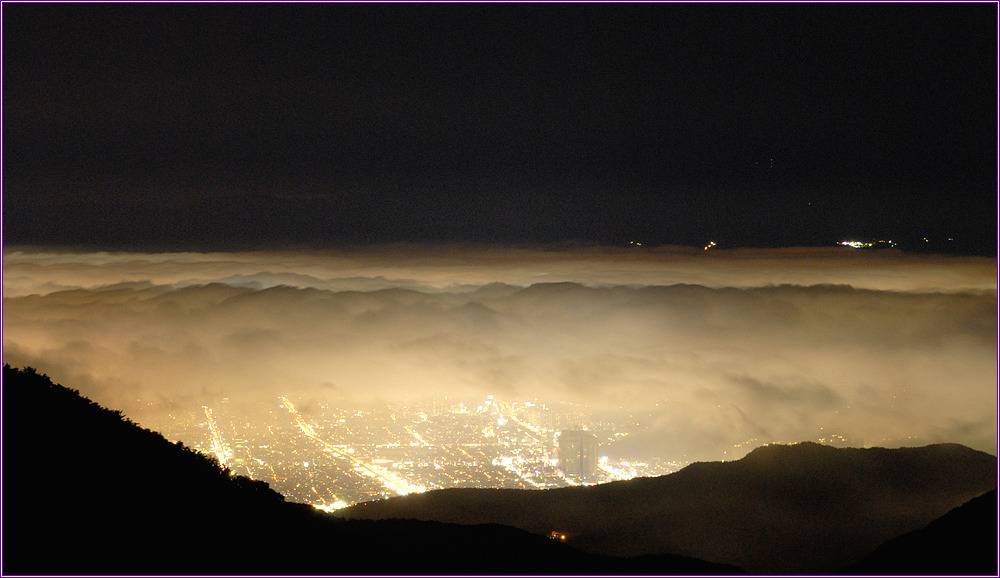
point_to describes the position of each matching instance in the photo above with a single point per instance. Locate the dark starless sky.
(215, 126)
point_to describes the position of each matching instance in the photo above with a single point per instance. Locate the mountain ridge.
(798, 508)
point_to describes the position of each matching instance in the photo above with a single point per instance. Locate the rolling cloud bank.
(881, 348)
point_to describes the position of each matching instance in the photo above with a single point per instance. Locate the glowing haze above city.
(357, 251)
(345, 376)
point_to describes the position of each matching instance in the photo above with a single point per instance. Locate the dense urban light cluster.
(332, 457)
(880, 243)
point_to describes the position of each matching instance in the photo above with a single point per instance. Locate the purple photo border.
(996, 3)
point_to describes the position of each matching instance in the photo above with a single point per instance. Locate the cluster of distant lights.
(880, 243)
(522, 457)
(868, 244)
(393, 482)
(558, 536)
(850, 243)
(708, 246)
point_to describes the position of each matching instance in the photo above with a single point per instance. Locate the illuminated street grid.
(332, 457)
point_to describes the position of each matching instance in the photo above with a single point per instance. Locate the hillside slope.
(963, 541)
(797, 508)
(85, 491)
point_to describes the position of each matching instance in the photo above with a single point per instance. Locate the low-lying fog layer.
(882, 348)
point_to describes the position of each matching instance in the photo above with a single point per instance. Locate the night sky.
(264, 126)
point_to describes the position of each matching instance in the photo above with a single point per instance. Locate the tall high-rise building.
(578, 453)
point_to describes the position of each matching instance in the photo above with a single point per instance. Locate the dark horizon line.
(953, 248)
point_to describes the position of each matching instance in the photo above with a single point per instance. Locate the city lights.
(332, 457)
(880, 243)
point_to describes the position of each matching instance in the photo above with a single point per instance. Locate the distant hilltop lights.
(710, 245)
(558, 536)
(881, 243)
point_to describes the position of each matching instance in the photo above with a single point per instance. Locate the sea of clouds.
(880, 347)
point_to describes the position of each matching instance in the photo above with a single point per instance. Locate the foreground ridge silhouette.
(963, 541)
(86, 491)
(783, 508)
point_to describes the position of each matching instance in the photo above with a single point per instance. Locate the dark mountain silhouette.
(87, 491)
(795, 508)
(963, 541)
